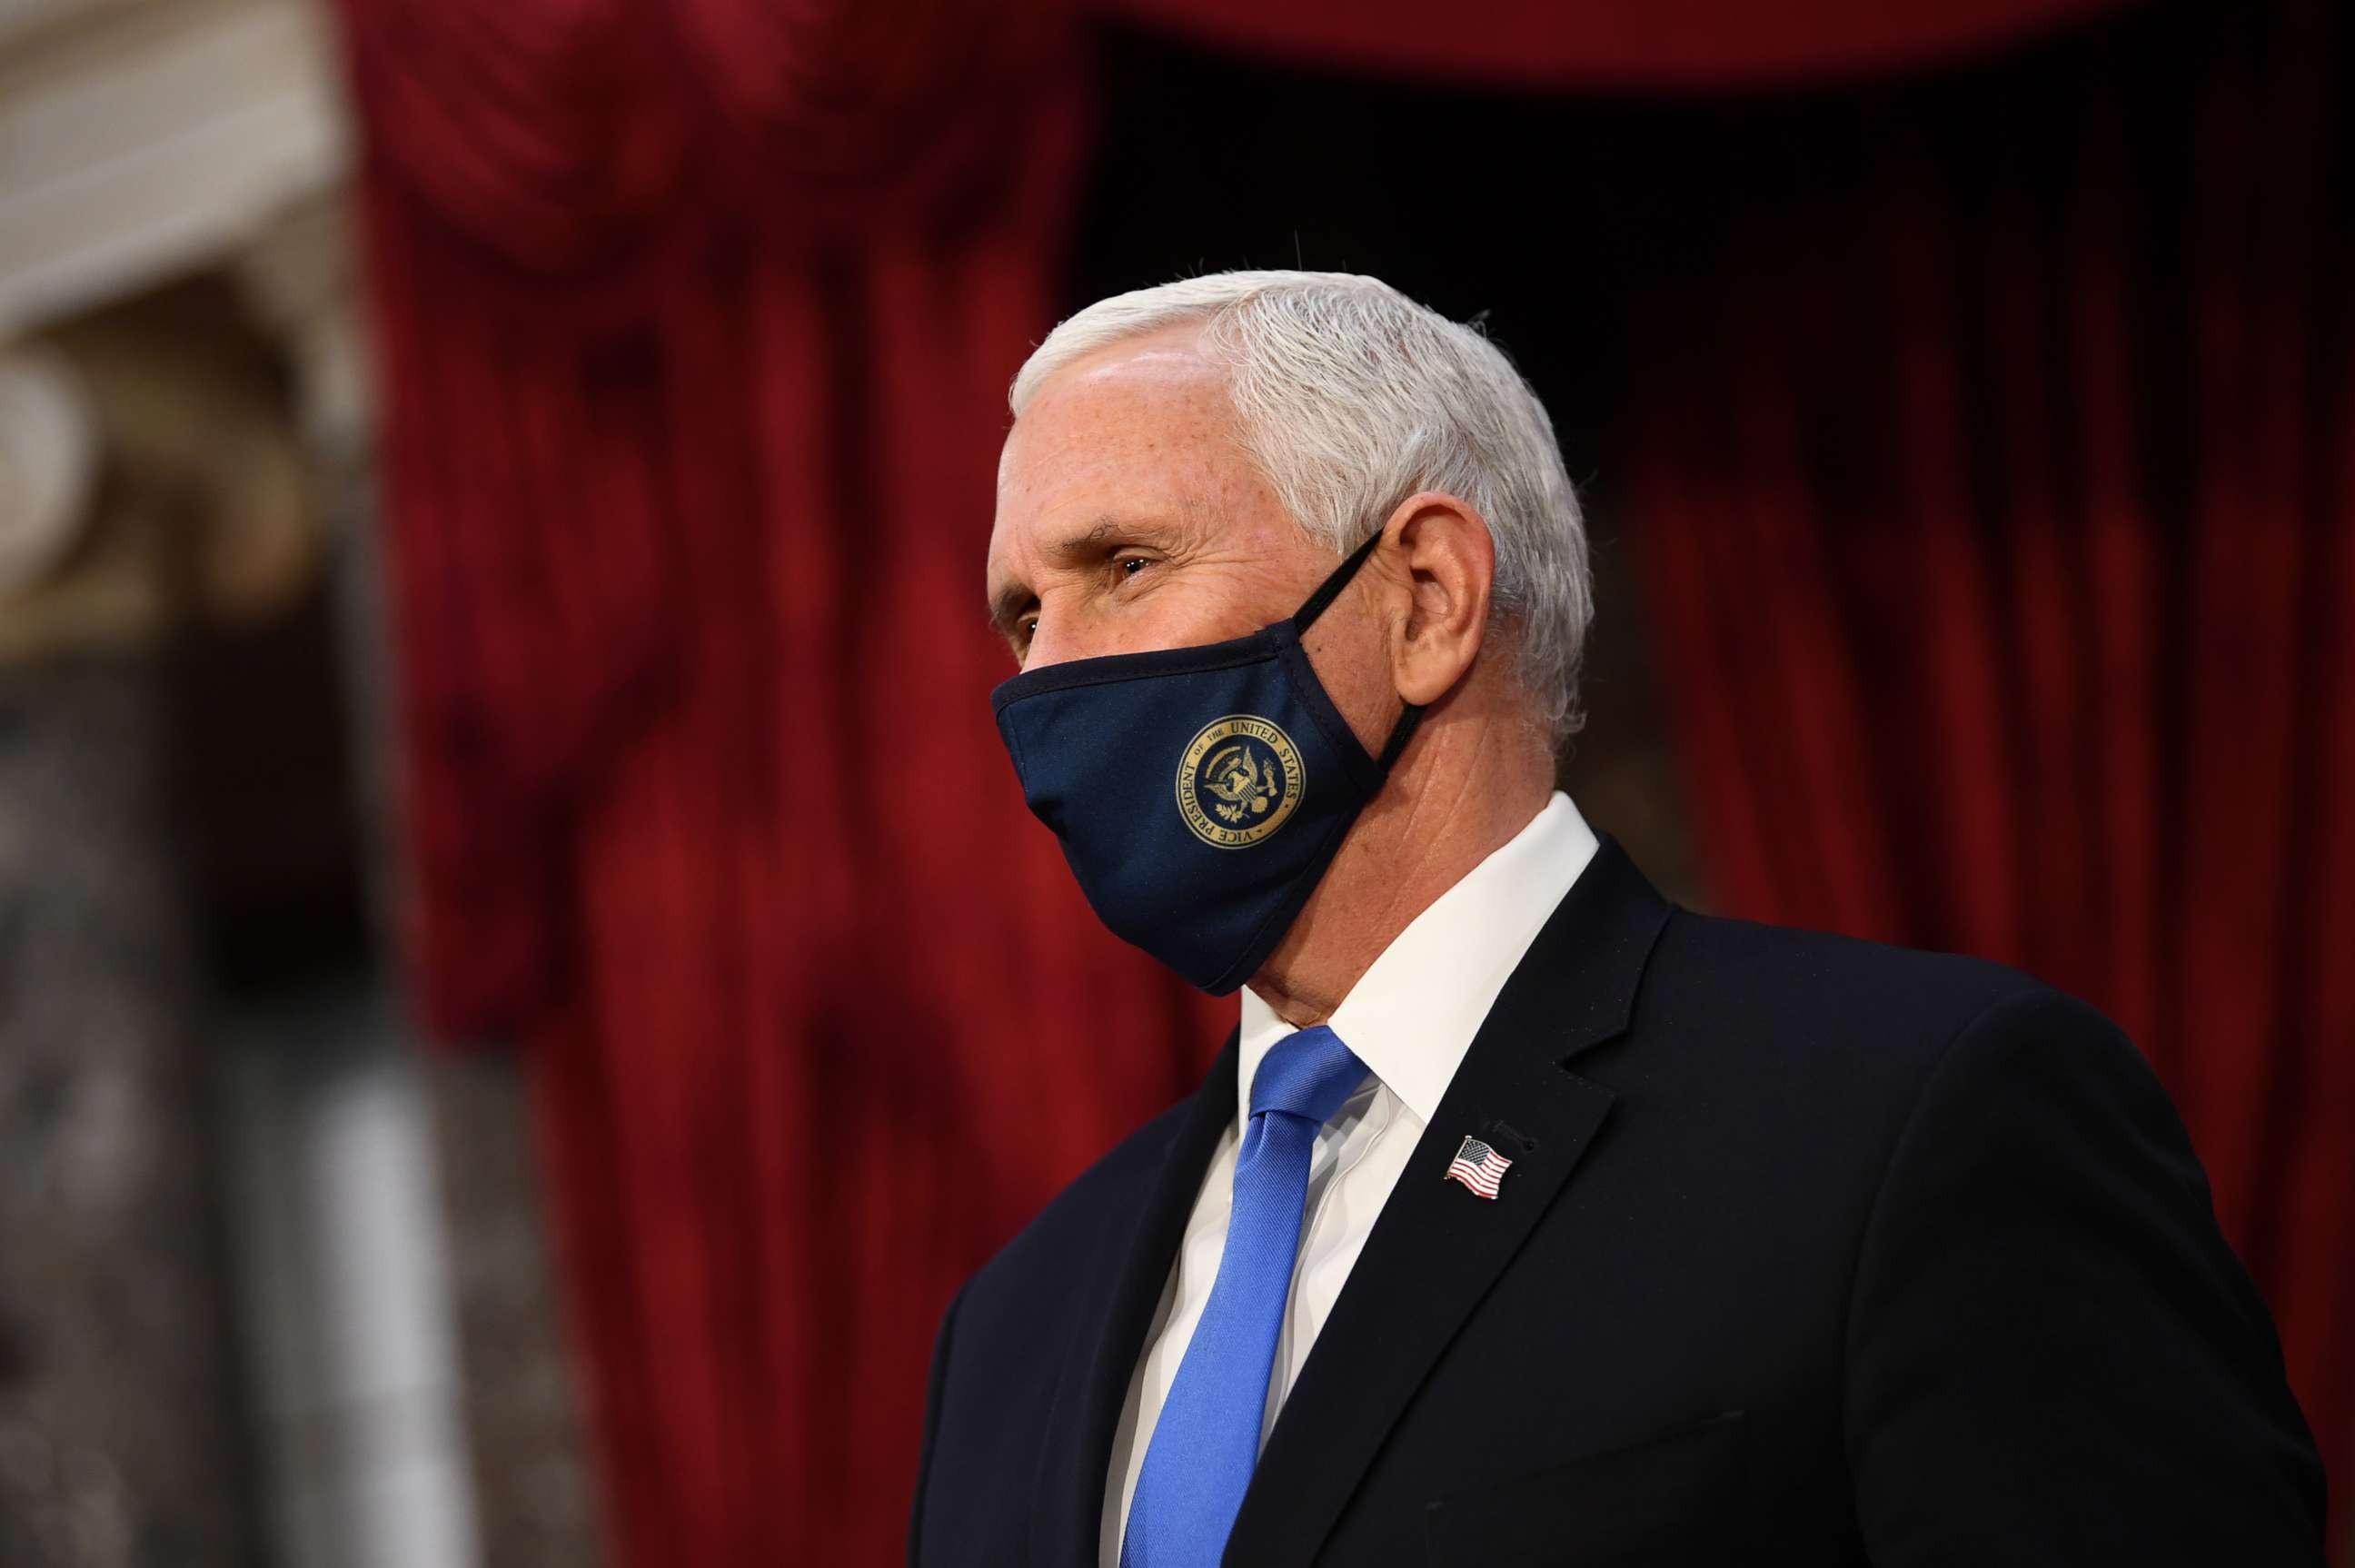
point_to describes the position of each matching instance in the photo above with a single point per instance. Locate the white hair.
(1349, 398)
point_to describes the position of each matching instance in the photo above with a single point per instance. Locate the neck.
(1461, 793)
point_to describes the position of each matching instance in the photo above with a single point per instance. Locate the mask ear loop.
(1321, 600)
(1330, 589)
(1401, 733)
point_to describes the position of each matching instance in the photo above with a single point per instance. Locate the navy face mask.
(1200, 792)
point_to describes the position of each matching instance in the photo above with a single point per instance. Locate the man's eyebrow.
(1007, 606)
(1110, 531)
(1010, 602)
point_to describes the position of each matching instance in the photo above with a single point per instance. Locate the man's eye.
(1130, 565)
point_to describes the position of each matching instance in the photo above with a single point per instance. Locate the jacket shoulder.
(1827, 1037)
(1825, 987)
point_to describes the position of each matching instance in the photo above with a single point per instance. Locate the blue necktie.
(1206, 1443)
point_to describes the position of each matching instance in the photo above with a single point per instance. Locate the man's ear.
(1450, 564)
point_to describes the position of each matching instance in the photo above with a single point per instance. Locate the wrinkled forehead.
(1142, 429)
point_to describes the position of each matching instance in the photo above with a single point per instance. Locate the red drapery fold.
(1676, 44)
(1999, 526)
(696, 324)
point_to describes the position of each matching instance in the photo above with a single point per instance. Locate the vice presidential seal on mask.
(1238, 780)
(1198, 794)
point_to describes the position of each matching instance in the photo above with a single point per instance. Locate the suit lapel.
(1436, 1249)
(1141, 1238)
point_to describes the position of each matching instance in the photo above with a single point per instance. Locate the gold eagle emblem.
(1238, 780)
(1243, 785)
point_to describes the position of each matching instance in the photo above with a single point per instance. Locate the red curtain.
(696, 324)
(1699, 44)
(695, 320)
(1999, 513)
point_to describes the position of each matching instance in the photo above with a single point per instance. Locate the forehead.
(1141, 428)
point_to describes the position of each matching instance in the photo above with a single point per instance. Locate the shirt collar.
(1412, 1015)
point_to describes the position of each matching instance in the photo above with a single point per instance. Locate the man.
(1526, 1219)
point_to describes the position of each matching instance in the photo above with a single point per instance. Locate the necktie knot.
(1306, 1074)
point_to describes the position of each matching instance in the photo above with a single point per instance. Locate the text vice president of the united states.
(1526, 1218)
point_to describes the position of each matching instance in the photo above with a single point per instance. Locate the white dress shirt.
(1409, 1019)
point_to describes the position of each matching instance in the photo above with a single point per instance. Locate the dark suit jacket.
(1812, 1251)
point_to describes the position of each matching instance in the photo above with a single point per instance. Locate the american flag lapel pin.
(1478, 1166)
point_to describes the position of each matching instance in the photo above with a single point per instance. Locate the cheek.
(1093, 624)
(1354, 666)
(1194, 607)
